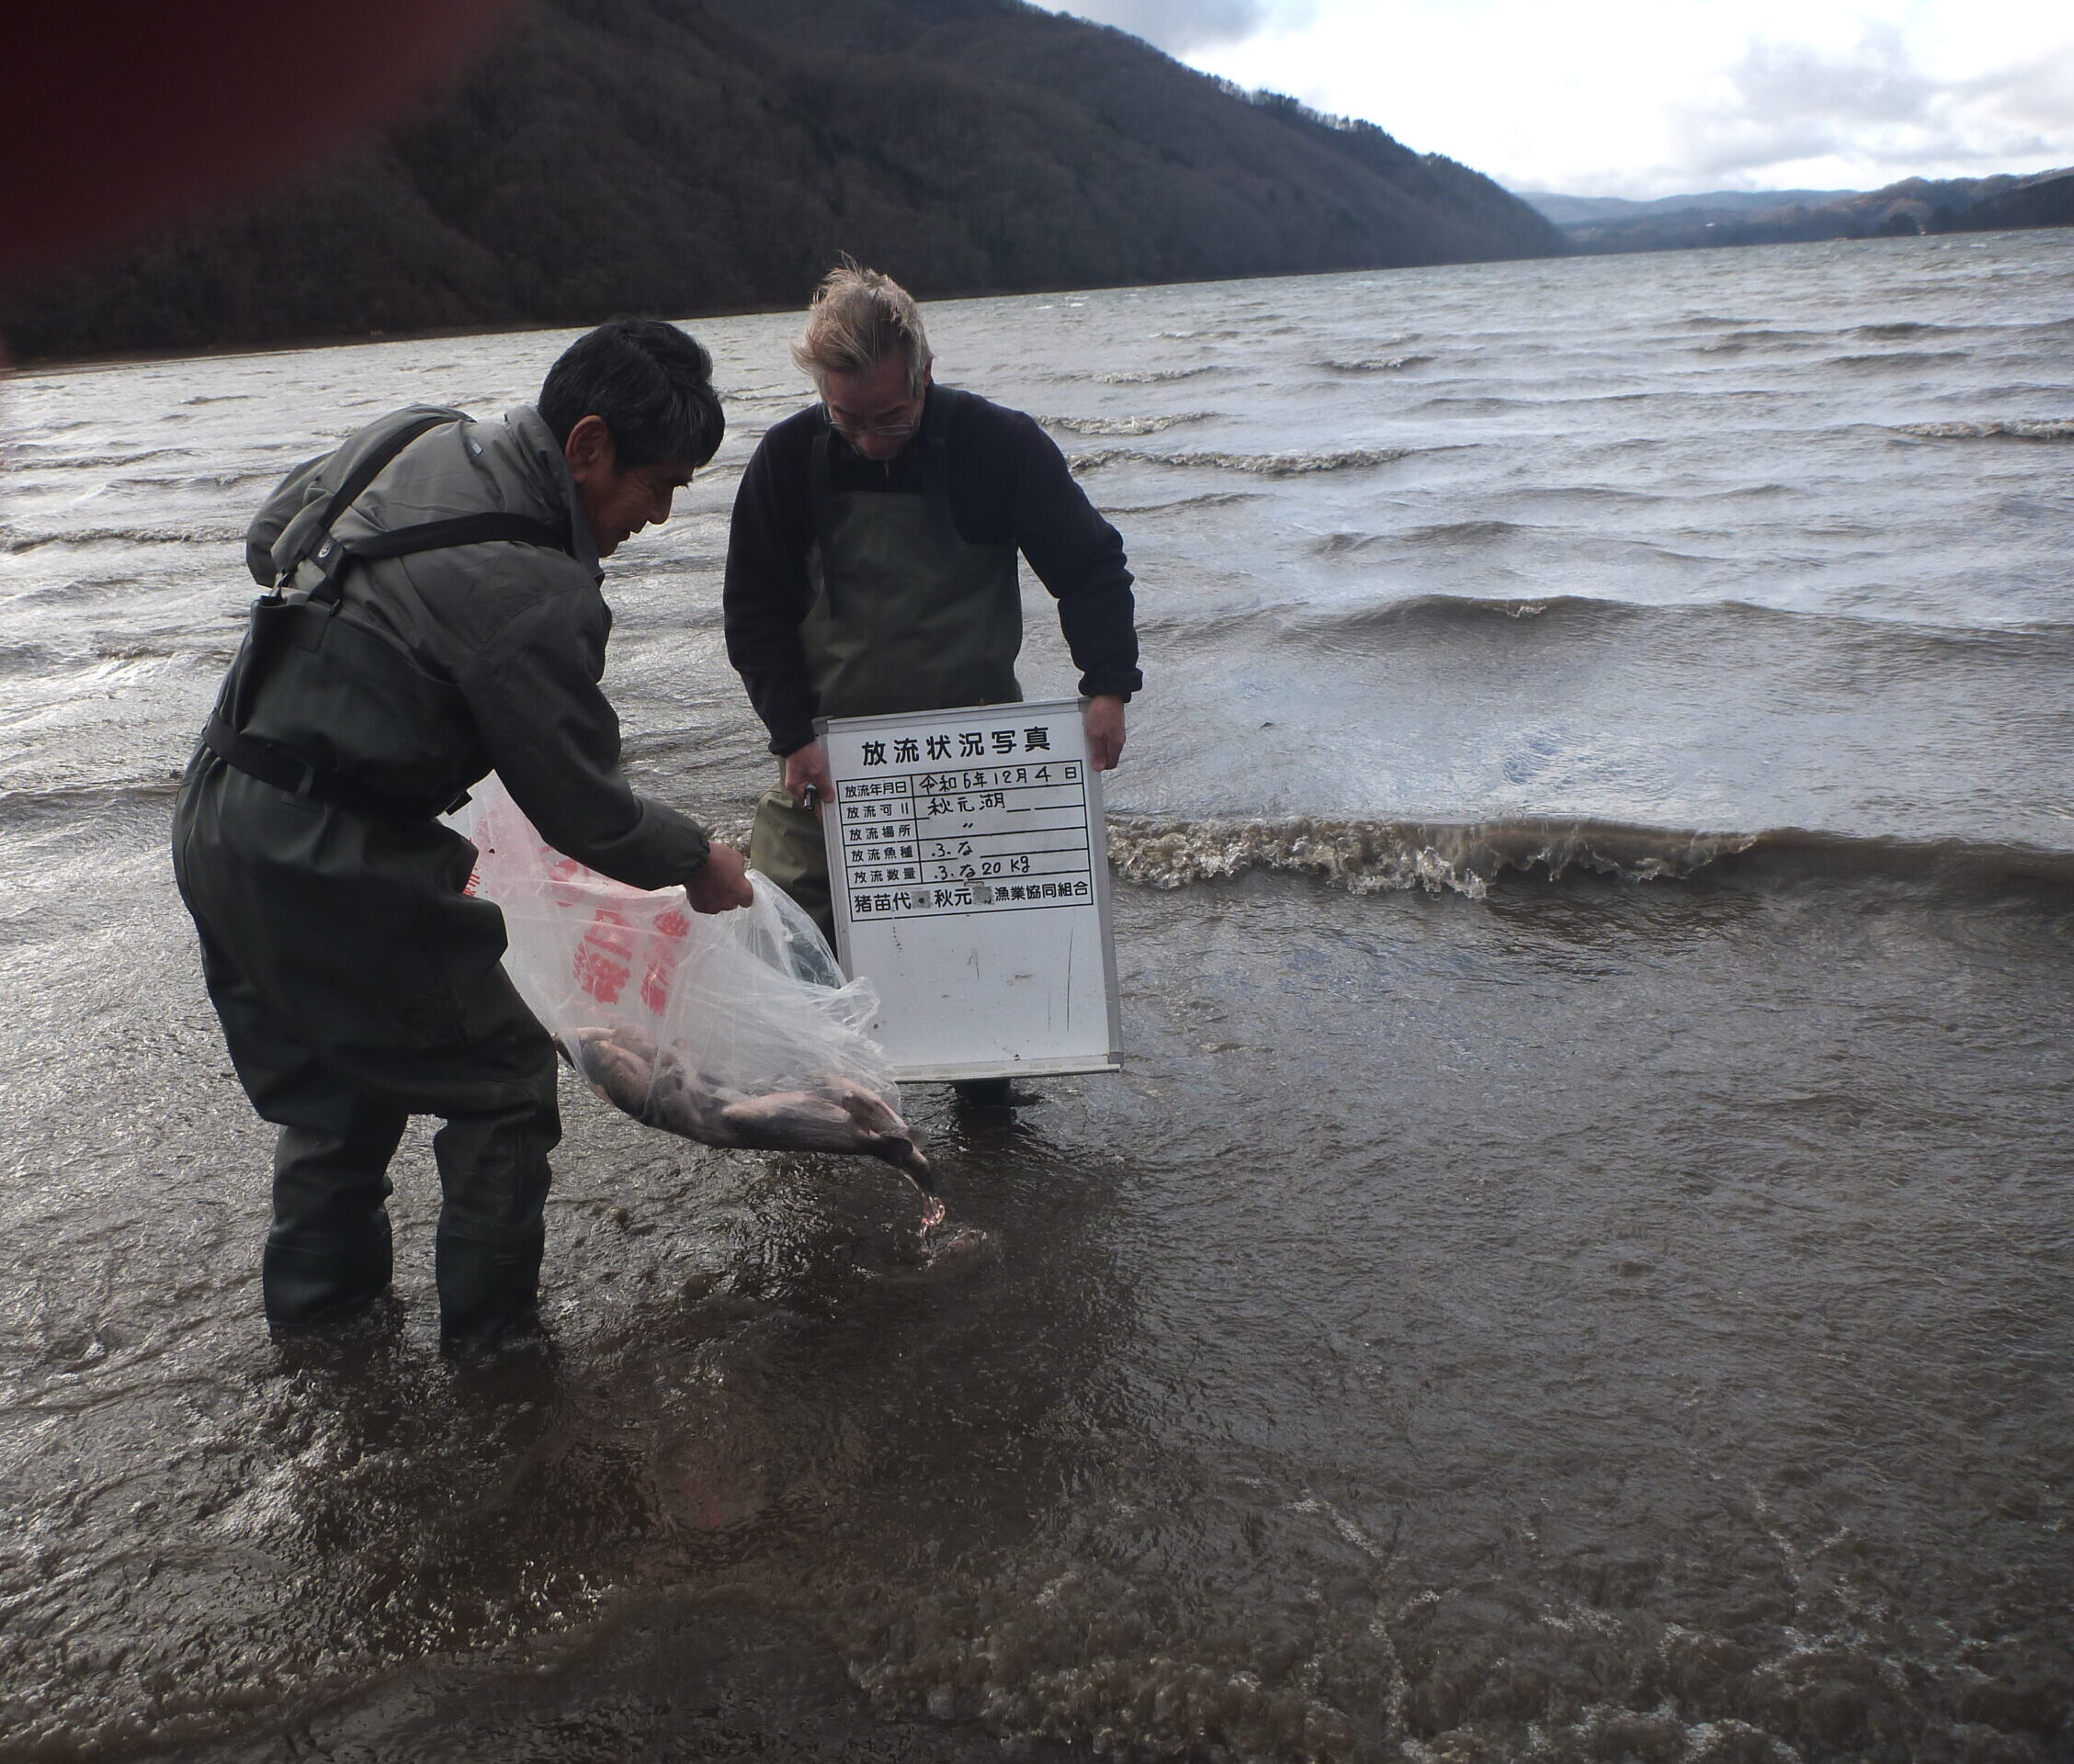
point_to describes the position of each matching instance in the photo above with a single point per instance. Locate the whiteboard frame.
(921, 723)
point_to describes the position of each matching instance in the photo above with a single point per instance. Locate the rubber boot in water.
(309, 1281)
(488, 1292)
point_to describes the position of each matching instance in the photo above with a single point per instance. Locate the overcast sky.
(1659, 98)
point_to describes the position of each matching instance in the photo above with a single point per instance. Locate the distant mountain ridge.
(1915, 205)
(687, 156)
(1568, 210)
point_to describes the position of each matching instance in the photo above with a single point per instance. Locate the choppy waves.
(1891, 358)
(49, 455)
(1339, 628)
(1124, 424)
(1266, 465)
(1376, 363)
(1205, 499)
(1150, 376)
(198, 534)
(2019, 428)
(1390, 856)
(1443, 533)
(1901, 330)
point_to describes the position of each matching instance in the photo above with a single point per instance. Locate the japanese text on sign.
(965, 839)
(967, 744)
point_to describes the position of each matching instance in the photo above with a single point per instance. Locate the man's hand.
(721, 883)
(806, 765)
(1104, 720)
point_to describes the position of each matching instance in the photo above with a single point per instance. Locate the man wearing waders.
(871, 566)
(435, 613)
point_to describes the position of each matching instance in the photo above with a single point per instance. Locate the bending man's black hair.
(651, 382)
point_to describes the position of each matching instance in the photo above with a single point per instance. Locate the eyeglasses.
(871, 431)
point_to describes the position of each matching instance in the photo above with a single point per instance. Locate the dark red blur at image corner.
(128, 118)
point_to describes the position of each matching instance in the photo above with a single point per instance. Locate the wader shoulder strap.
(935, 463)
(333, 555)
(820, 496)
(276, 620)
(820, 503)
(358, 478)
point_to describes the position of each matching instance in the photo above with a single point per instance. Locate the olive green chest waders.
(905, 616)
(356, 982)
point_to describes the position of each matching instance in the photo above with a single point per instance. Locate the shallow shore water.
(1576, 1266)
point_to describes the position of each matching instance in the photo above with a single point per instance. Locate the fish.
(622, 1068)
(825, 1113)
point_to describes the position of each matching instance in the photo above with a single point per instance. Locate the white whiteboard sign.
(971, 879)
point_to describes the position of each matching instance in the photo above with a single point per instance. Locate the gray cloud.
(1876, 83)
(1872, 104)
(1180, 26)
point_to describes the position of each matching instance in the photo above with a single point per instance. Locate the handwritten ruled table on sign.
(970, 883)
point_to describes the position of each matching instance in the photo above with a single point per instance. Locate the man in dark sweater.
(872, 562)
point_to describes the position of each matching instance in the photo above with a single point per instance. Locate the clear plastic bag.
(735, 1029)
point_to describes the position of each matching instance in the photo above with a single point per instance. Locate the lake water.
(1577, 1264)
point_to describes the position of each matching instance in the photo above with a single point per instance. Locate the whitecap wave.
(1376, 363)
(1150, 376)
(1466, 858)
(2018, 428)
(1265, 465)
(1125, 424)
(1376, 857)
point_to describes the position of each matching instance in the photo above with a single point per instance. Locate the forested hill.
(678, 157)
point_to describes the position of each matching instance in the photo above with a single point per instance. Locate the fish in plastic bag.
(735, 1029)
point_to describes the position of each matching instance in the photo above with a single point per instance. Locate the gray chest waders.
(905, 616)
(355, 985)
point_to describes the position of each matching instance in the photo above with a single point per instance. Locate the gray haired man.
(872, 561)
